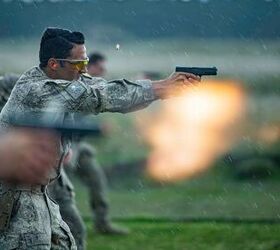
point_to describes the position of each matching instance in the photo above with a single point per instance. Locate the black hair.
(57, 43)
(96, 57)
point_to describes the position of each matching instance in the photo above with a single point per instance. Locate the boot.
(110, 229)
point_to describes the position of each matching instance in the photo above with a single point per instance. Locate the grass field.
(162, 235)
(212, 211)
(214, 195)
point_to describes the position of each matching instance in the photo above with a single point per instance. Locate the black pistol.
(81, 126)
(198, 71)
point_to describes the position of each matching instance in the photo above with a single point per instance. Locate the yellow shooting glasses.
(77, 63)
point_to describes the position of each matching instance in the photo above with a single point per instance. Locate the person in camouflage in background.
(29, 218)
(89, 170)
(84, 165)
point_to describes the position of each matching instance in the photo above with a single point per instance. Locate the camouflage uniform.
(85, 166)
(62, 191)
(43, 228)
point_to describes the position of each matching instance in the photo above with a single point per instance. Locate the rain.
(199, 168)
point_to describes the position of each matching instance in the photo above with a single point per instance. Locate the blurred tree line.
(111, 19)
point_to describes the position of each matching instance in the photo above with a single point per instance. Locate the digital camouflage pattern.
(35, 221)
(92, 175)
(35, 92)
(62, 191)
(85, 166)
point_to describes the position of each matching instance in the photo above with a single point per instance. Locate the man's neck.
(49, 73)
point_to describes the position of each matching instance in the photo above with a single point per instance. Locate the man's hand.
(27, 155)
(173, 84)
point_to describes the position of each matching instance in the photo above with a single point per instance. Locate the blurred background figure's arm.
(27, 155)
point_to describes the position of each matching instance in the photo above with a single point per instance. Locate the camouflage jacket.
(35, 92)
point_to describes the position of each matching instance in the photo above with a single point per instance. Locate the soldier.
(86, 167)
(61, 190)
(89, 170)
(29, 219)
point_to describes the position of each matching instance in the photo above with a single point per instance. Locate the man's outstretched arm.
(124, 96)
(97, 95)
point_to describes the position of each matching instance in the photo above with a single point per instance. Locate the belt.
(31, 188)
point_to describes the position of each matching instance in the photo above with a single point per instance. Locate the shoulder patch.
(75, 90)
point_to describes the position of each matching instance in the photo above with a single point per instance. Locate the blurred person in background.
(97, 65)
(85, 165)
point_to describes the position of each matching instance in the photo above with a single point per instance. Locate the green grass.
(212, 211)
(157, 235)
(215, 194)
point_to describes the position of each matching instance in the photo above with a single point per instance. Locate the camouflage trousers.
(86, 167)
(83, 165)
(29, 219)
(61, 191)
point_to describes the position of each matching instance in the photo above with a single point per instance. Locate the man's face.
(67, 70)
(97, 69)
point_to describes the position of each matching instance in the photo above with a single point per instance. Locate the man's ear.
(53, 64)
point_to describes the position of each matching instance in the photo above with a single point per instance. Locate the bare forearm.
(159, 89)
(173, 84)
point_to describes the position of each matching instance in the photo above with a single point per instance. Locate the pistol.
(81, 126)
(199, 71)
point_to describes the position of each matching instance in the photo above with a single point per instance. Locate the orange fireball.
(189, 132)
